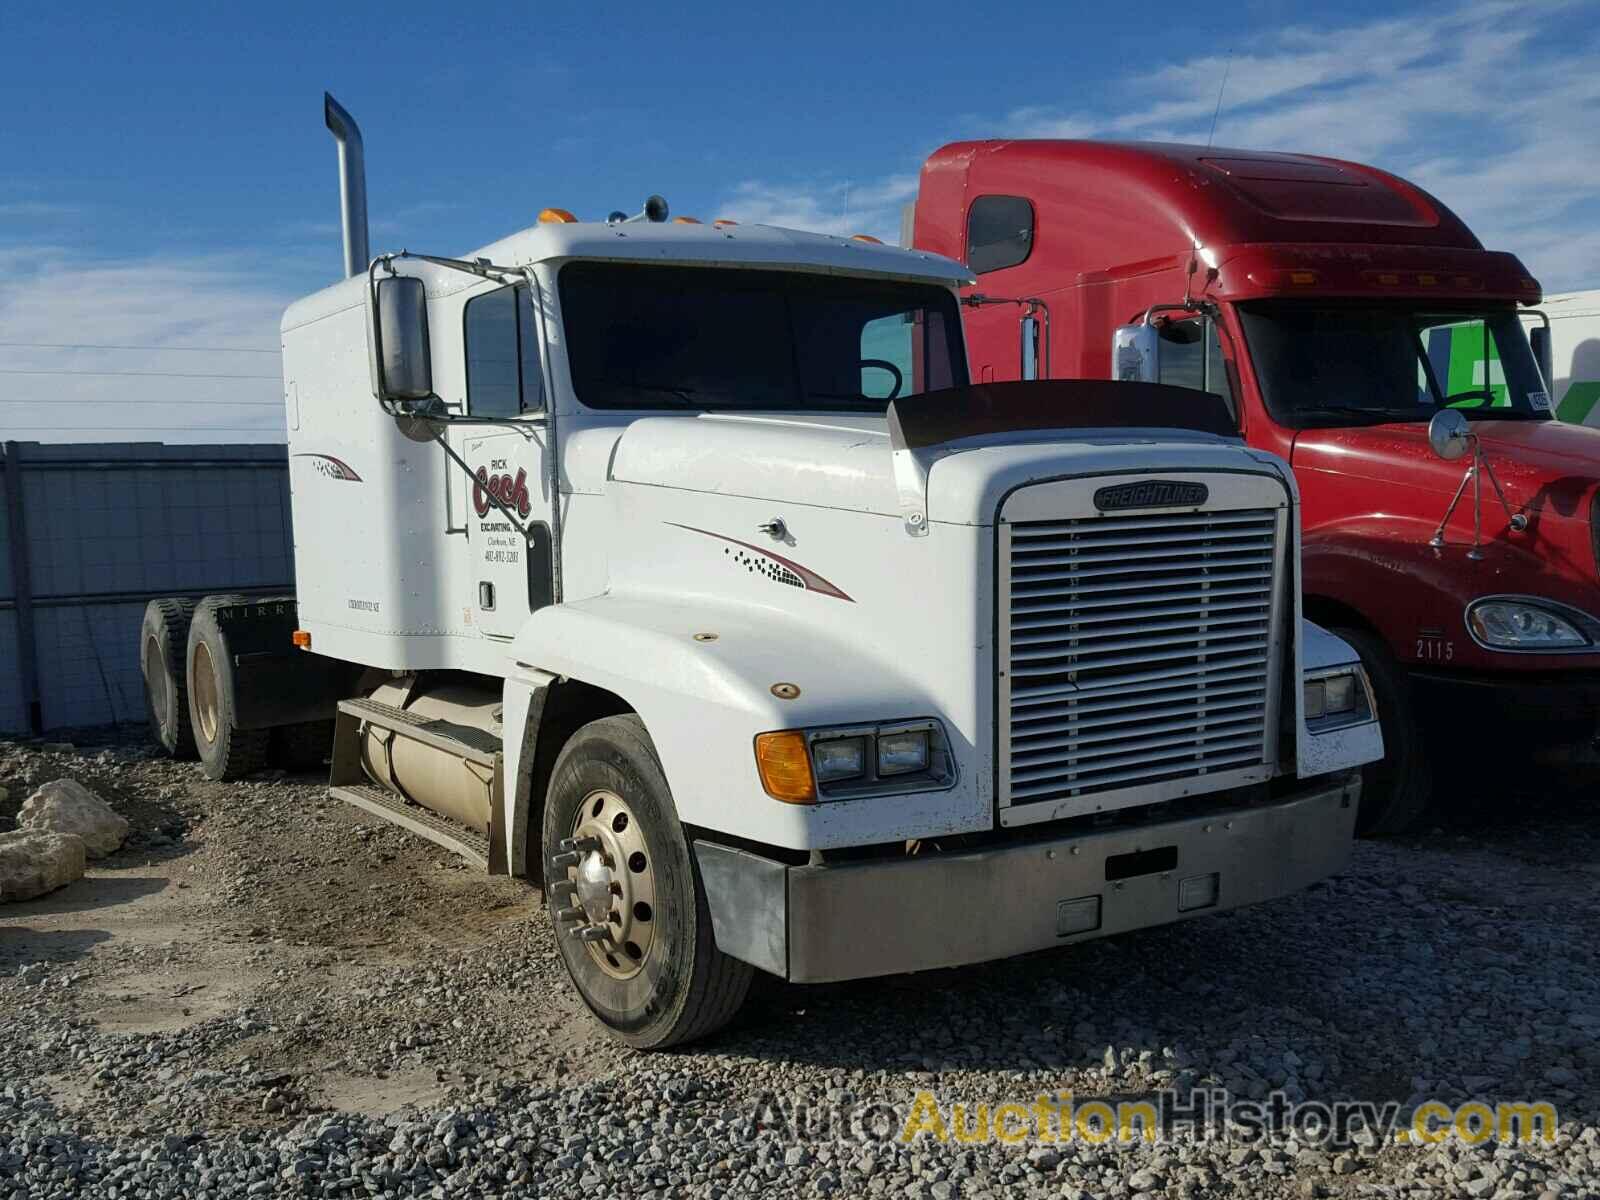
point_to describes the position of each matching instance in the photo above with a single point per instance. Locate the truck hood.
(1542, 465)
(845, 462)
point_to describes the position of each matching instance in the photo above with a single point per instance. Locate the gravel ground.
(268, 993)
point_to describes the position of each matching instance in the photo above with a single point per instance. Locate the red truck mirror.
(1448, 434)
(1136, 354)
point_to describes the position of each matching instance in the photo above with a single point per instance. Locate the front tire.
(226, 752)
(1395, 790)
(649, 968)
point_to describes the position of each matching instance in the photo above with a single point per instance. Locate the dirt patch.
(273, 934)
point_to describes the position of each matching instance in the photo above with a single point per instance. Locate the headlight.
(805, 766)
(840, 758)
(1337, 697)
(899, 753)
(1505, 624)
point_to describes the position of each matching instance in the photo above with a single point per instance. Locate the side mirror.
(1539, 340)
(1136, 354)
(1030, 347)
(402, 367)
(1448, 434)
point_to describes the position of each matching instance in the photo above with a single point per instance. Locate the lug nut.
(570, 858)
(593, 933)
(583, 845)
(568, 915)
(563, 888)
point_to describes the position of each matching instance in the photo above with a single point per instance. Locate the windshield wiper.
(686, 395)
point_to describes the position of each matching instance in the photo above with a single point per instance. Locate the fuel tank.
(452, 771)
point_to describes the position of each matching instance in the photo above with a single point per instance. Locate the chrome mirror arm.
(1479, 467)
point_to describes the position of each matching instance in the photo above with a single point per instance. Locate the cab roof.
(1264, 223)
(1214, 195)
(720, 244)
(710, 245)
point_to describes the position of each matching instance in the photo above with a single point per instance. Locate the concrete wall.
(93, 532)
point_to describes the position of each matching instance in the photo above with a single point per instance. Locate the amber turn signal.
(301, 638)
(784, 763)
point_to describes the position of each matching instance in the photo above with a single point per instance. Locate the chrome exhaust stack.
(352, 184)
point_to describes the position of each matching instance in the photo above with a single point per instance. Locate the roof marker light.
(1302, 277)
(724, 221)
(866, 237)
(556, 216)
(686, 221)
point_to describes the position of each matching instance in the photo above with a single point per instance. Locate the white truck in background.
(679, 569)
(1565, 335)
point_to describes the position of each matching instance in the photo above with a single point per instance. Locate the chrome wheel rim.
(614, 884)
(203, 695)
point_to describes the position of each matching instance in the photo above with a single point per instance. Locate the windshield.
(698, 338)
(1354, 365)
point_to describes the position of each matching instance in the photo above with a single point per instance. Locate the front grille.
(1140, 652)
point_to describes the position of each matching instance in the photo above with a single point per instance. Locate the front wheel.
(625, 897)
(1396, 789)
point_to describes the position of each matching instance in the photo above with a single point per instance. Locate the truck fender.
(1336, 749)
(701, 676)
(523, 699)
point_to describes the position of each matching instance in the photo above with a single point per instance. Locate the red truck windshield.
(1321, 365)
(691, 338)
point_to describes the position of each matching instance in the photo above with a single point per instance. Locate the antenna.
(1221, 87)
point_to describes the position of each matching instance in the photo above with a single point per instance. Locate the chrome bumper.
(816, 924)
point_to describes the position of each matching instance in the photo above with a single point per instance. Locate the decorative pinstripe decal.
(333, 468)
(780, 570)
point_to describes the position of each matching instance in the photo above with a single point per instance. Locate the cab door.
(507, 499)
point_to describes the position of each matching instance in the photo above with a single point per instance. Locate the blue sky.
(168, 182)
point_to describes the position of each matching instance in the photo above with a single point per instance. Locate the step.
(464, 741)
(458, 839)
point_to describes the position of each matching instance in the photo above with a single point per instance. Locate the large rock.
(33, 863)
(66, 806)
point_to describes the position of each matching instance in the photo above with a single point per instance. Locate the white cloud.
(1493, 105)
(55, 305)
(842, 207)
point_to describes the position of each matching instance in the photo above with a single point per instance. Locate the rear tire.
(1395, 790)
(226, 752)
(662, 981)
(163, 640)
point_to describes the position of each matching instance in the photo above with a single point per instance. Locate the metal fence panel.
(109, 527)
(89, 663)
(13, 712)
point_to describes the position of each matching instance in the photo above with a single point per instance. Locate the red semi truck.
(1338, 310)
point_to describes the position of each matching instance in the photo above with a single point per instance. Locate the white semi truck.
(679, 569)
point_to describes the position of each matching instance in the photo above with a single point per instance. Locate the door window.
(503, 375)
